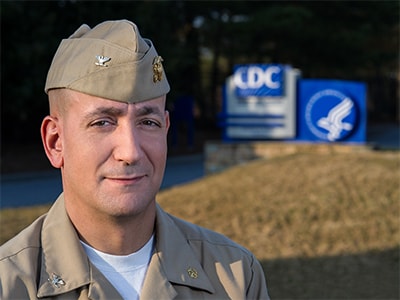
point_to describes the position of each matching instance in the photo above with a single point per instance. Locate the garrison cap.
(110, 61)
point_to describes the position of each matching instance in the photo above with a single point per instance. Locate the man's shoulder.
(19, 263)
(27, 239)
(212, 253)
(209, 239)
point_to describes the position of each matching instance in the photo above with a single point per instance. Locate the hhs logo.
(331, 115)
(258, 80)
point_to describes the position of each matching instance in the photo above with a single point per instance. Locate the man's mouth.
(126, 180)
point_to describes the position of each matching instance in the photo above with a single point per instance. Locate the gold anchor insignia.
(157, 68)
(56, 280)
(192, 273)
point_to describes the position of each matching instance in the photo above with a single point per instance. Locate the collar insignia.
(101, 60)
(157, 68)
(192, 273)
(56, 280)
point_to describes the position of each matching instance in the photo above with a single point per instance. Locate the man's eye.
(101, 123)
(150, 123)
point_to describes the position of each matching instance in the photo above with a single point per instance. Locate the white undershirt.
(125, 272)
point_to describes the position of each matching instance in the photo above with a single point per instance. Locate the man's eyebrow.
(149, 110)
(105, 111)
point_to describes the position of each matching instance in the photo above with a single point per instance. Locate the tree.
(357, 40)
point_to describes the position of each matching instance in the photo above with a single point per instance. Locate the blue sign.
(261, 80)
(331, 111)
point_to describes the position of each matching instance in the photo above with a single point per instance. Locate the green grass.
(324, 226)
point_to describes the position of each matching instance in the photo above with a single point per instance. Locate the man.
(105, 237)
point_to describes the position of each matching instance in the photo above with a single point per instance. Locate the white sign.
(261, 117)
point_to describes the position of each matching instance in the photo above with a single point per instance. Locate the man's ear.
(167, 120)
(51, 138)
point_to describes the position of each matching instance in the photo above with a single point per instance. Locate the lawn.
(324, 226)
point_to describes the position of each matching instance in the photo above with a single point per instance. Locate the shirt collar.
(177, 259)
(65, 266)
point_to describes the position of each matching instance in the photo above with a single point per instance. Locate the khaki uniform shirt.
(189, 262)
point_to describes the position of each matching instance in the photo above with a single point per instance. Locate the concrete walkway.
(384, 136)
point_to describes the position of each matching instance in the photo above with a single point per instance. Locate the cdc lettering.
(255, 77)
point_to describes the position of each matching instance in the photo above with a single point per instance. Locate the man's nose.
(128, 146)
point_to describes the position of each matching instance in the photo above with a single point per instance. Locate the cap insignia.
(157, 68)
(101, 60)
(56, 280)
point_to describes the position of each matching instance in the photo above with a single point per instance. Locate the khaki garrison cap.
(110, 61)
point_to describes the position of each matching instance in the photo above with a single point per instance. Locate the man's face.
(113, 154)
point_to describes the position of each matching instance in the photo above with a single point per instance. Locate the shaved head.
(58, 100)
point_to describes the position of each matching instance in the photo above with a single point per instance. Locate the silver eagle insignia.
(101, 60)
(56, 280)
